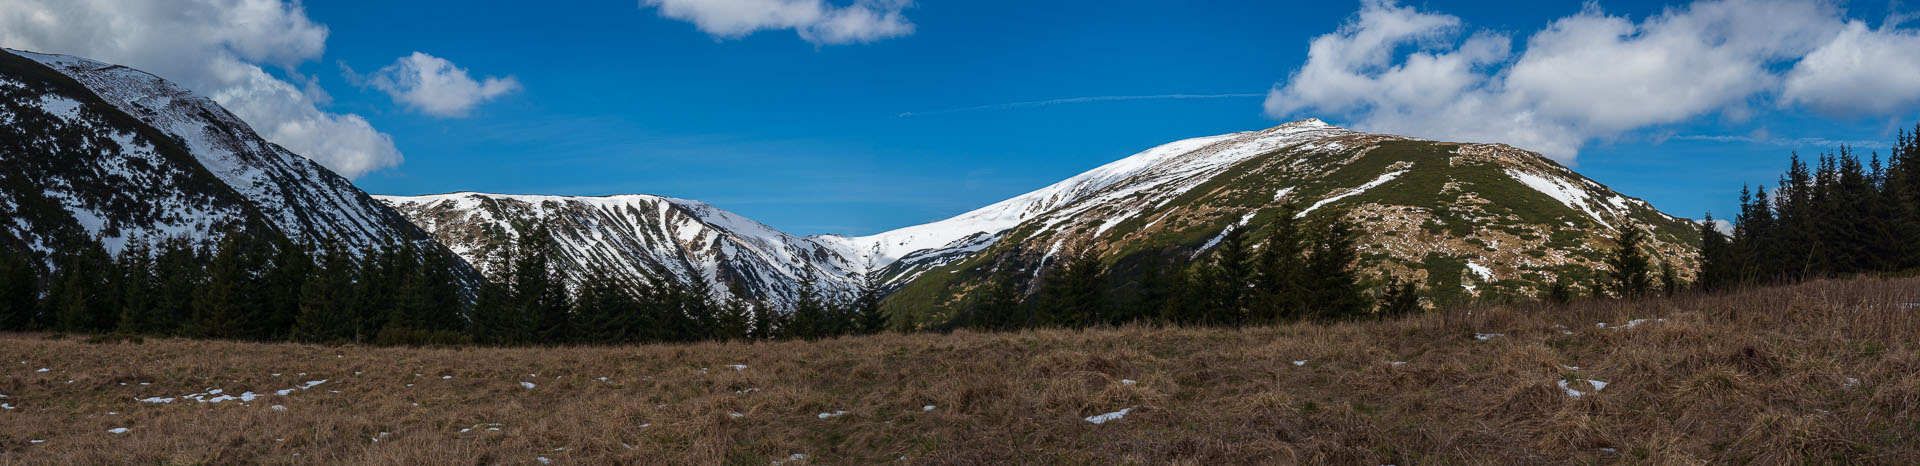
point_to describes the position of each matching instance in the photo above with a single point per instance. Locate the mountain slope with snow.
(106, 153)
(1464, 220)
(634, 237)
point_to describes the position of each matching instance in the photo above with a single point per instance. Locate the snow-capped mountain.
(100, 152)
(632, 236)
(1467, 219)
(1462, 219)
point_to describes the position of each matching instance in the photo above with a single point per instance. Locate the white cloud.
(1592, 75)
(216, 48)
(434, 86)
(1861, 71)
(816, 21)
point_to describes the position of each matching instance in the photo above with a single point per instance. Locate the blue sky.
(853, 136)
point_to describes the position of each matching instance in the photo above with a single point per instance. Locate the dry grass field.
(1826, 372)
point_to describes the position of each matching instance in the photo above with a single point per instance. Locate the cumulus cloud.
(1860, 70)
(1594, 75)
(816, 21)
(434, 86)
(216, 48)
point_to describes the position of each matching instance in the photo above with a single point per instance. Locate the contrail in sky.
(1076, 100)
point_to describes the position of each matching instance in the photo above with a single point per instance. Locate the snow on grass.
(1487, 336)
(43, 369)
(833, 414)
(157, 400)
(1399, 363)
(1485, 273)
(1597, 386)
(7, 407)
(1128, 381)
(736, 415)
(278, 408)
(738, 367)
(1113, 416)
(527, 385)
(117, 430)
(1383, 179)
(926, 408)
(1299, 363)
(1572, 196)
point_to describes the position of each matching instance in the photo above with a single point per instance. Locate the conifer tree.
(998, 307)
(734, 320)
(326, 299)
(19, 289)
(230, 295)
(1228, 277)
(867, 307)
(1631, 271)
(1717, 270)
(1070, 293)
(1669, 280)
(768, 323)
(1280, 292)
(1332, 282)
(137, 288)
(179, 273)
(810, 317)
(1402, 298)
(1560, 292)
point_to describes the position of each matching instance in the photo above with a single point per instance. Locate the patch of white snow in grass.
(1487, 336)
(1481, 270)
(926, 408)
(1299, 363)
(738, 367)
(117, 430)
(833, 414)
(1113, 416)
(1128, 381)
(1383, 179)
(1597, 386)
(527, 385)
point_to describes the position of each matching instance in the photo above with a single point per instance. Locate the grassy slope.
(1514, 212)
(1761, 376)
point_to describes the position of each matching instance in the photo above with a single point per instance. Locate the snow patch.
(1113, 416)
(1382, 179)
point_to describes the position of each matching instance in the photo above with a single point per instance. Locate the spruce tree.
(810, 315)
(230, 296)
(1669, 280)
(1560, 292)
(1402, 298)
(1229, 276)
(1333, 284)
(137, 288)
(1630, 269)
(1717, 260)
(326, 299)
(998, 306)
(1070, 292)
(734, 320)
(867, 307)
(19, 289)
(180, 272)
(1280, 293)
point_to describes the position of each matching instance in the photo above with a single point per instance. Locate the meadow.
(1821, 372)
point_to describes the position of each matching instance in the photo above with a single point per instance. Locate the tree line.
(1838, 216)
(1299, 272)
(262, 287)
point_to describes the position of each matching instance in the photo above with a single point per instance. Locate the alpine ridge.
(1465, 220)
(102, 153)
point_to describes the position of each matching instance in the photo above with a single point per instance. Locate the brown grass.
(1757, 377)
